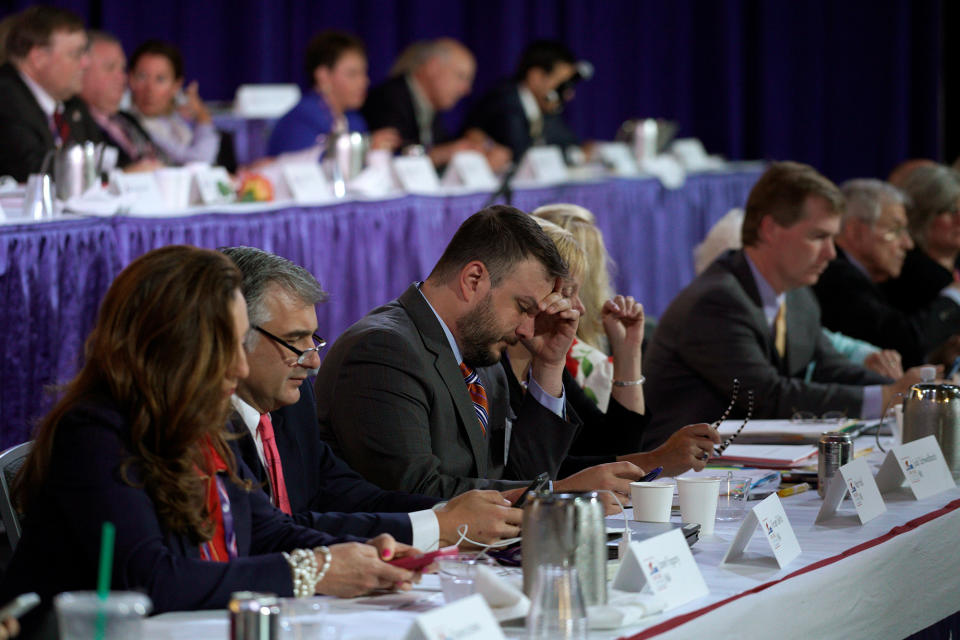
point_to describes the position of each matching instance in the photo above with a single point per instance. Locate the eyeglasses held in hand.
(302, 354)
(726, 443)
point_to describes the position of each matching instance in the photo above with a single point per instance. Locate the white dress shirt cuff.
(553, 404)
(952, 293)
(872, 402)
(426, 530)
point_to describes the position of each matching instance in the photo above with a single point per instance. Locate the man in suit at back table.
(47, 53)
(752, 316)
(412, 395)
(526, 109)
(871, 249)
(104, 82)
(430, 77)
(276, 413)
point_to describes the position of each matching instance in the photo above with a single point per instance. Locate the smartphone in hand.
(537, 485)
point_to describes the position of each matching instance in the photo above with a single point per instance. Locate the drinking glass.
(557, 611)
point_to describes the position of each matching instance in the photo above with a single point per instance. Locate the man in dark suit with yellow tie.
(752, 316)
(47, 52)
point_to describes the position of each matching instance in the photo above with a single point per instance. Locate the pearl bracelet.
(629, 383)
(305, 569)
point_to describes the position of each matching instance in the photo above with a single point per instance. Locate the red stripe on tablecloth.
(672, 623)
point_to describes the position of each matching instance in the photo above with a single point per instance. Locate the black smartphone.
(539, 482)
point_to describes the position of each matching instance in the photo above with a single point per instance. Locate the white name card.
(921, 464)
(856, 479)
(543, 164)
(416, 174)
(212, 185)
(663, 566)
(617, 156)
(466, 619)
(306, 183)
(772, 519)
(470, 169)
(142, 190)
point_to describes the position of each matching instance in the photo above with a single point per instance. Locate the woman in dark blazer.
(139, 439)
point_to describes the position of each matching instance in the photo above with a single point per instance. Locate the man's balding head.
(444, 69)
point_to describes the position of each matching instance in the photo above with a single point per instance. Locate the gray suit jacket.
(392, 402)
(715, 331)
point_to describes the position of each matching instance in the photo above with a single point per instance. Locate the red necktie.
(478, 394)
(63, 127)
(274, 466)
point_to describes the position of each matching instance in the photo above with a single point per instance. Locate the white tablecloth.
(898, 586)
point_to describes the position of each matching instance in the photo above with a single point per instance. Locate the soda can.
(834, 450)
(254, 616)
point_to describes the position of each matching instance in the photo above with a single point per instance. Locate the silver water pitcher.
(566, 529)
(344, 157)
(647, 136)
(76, 168)
(931, 409)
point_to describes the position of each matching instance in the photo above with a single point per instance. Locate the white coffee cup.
(651, 501)
(698, 501)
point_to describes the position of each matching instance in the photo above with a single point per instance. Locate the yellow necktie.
(780, 329)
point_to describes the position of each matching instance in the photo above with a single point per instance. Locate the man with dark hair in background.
(46, 50)
(751, 316)
(411, 395)
(525, 110)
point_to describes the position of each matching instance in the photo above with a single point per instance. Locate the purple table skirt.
(53, 275)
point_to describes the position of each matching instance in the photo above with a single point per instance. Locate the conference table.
(897, 575)
(53, 274)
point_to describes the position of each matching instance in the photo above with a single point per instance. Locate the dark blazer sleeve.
(853, 305)
(500, 115)
(391, 105)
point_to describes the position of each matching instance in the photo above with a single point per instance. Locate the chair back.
(10, 462)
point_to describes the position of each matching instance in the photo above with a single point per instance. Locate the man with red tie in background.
(47, 52)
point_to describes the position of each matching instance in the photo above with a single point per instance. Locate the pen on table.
(794, 490)
(652, 475)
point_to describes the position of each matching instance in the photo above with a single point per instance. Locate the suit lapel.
(448, 369)
(742, 272)
(38, 120)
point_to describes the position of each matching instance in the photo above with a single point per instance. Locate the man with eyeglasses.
(276, 413)
(871, 248)
(47, 49)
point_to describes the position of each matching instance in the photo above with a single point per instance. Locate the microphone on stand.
(505, 189)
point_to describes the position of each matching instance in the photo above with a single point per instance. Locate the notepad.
(773, 456)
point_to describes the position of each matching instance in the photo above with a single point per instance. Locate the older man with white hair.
(430, 77)
(871, 247)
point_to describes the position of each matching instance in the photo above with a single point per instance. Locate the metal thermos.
(834, 450)
(566, 529)
(931, 409)
(76, 168)
(344, 157)
(254, 616)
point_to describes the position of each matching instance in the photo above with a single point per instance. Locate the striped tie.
(477, 393)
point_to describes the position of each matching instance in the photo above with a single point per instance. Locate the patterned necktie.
(61, 125)
(478, 394)
(780, 329)
(274, 467)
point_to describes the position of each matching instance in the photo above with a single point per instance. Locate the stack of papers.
(768, 456)
(786, 431)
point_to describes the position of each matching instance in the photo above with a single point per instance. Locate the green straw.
(107, 535)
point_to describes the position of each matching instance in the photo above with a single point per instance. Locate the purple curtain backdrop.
(851, 87)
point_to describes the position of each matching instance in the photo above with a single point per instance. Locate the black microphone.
(505, 188)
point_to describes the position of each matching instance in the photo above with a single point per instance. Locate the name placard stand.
(921, 464)
(855, 479)
(467, 619)
(664, 567)
(778, 532)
